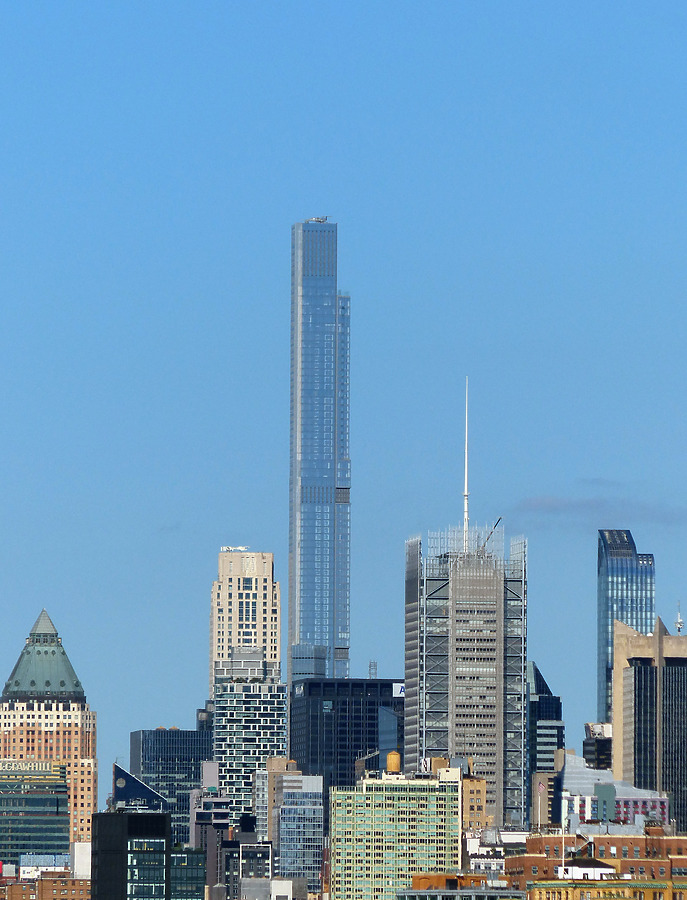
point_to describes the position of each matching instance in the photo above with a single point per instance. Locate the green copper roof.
(43, 669)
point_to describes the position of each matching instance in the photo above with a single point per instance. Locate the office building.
(45, 717)
(245, 609)
(649, 703)
(34, 809)
(131, 855)
(546, 734)
(597, 746)
(289, 812)
(626, 592)
(388, 828)
(169, 761)
(336, 722)
(320, 466)
(465, 660)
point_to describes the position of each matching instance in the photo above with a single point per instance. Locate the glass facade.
(169, 762)
(465, 661)
(626, 592)
(320, 467)
(334, 722)
(34, 809)
(301, 833)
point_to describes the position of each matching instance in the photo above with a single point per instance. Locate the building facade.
(649, 704)
(320, 466)
(34, 809)
(249, 727)
(465, 661)
(245, 609)
(626, 592)
(45, 716)
(169, 761)
(388, 828)
(337, 721)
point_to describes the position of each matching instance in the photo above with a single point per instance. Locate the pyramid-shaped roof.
(43, 670)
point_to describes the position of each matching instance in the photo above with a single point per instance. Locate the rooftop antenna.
(679, 622)
(465, 492)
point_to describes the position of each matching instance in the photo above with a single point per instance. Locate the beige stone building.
(45, 716)
(245, 611)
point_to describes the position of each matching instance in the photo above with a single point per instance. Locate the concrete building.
(248, 704)
(245, 609)
(45, 717)
(465, 659)
(169, 761)
(625, 591)
(320, 465)
(289, 809)
(390, 827)
(649, 704)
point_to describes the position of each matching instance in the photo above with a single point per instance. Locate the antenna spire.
(679, 622)
(465, 492)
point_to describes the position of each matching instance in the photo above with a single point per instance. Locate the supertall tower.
(465, 658)
(626, 592)
(320, 470)
(45, 717)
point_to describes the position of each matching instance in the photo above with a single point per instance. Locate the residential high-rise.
(169, 761)
(465, 660)
(320, 467)
(245, 609)
(388, 828)
(289, 814)
(248, 702)
(626, 592)
(45, 716)
(649, 721)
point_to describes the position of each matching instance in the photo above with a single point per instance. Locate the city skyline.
(507, 185)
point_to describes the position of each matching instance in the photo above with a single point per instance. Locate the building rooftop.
(43, 669)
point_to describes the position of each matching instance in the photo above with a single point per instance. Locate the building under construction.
(465, 660)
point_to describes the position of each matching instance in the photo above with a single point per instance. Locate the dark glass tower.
(335, 722)
(320, 470)
(169, 761)
(626, 592)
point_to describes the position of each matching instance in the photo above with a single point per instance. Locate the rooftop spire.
(465, 492)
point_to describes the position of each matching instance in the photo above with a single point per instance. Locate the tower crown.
(43, 669)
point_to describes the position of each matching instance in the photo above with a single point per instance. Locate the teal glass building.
(320, 466)
(626, 592)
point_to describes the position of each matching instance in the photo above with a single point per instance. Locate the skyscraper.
(248, 701)
(320, 466)
(626, 592)
(465, 660)
(169, 760)
(245, 610)
(649, 703)
(45, 717)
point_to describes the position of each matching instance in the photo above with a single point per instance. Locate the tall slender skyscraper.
(626, 592)
(320, 471)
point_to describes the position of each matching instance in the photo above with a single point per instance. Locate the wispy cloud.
(619, 512)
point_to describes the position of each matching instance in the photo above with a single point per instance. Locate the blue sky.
(509, 183)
